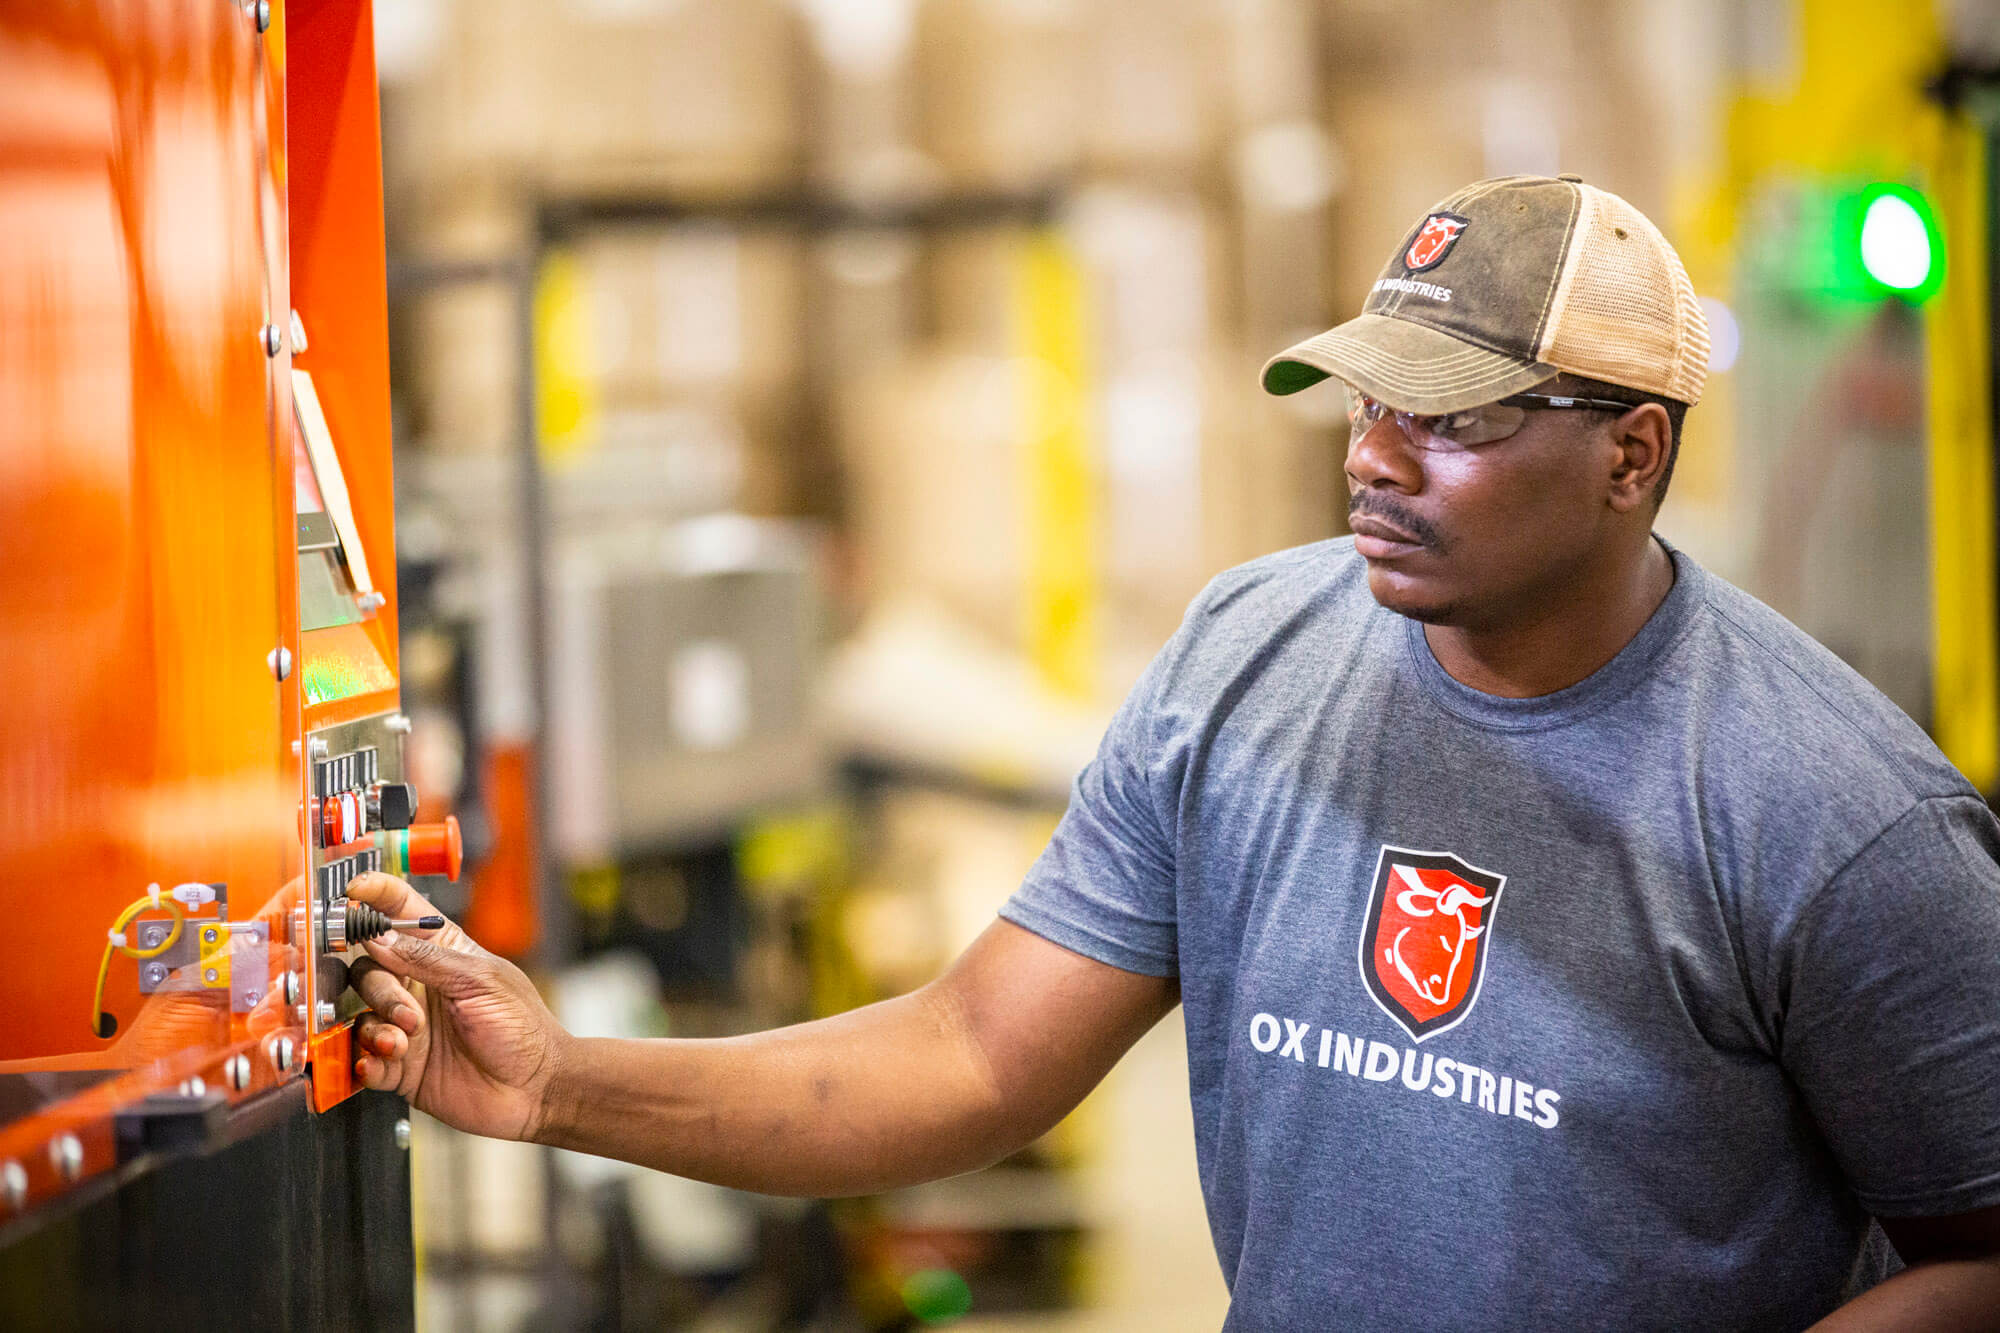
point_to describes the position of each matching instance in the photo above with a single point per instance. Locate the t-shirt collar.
(1609, 682)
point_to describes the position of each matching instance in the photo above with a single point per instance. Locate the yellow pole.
(1061, 600)
(1965, 642)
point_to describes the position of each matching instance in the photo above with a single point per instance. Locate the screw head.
(316, 747)
(273, 339)
(260, 14)
(14, 1184)
(280, 661)
(328, 1014)
(282, 1051)
(194, 1087)
(66, 1152)
(236, 1069)
(403, 1133)
(155, 974)
(291, 984)
(298, 333)
(208, 935)
(211, 975)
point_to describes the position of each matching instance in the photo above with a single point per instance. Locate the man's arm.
(951, 1077)
(1952, 1282)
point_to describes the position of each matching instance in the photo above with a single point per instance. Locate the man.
(1564, 938)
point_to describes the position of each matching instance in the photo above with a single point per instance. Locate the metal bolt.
(66, 1152)
(282, 1052)
(371, 602)
(250, 998)
(316, 747)
(152, 933)
(236, 1069)
(280, 661)
(328, 1015)
(398, 723)
(403, 1133)
(14, 1184)
(193, 1087)
(208, 935)
(273, 338)
(155, 974)
(298, 333)
(260, 13)
(291, 988)
(211, 975)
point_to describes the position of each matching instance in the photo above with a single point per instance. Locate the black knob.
(392, 804)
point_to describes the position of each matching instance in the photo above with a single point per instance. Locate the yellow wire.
(118, 928)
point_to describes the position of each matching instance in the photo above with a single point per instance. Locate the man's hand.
(471, 1043)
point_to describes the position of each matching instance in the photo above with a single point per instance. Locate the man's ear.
(1644, 439)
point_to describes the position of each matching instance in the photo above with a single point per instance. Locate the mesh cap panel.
(1624, 311)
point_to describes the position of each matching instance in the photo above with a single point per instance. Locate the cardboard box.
(1000, 88)
(672, 94)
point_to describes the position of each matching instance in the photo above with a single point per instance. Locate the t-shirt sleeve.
(1891, 1024)
(1104, 886)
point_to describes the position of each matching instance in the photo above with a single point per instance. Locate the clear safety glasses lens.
(1452, 430)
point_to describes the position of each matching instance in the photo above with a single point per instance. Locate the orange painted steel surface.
(339, 285)
(339, 278)
(141, 731)
(172, 184)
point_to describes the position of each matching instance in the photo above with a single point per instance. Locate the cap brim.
(1407, 366)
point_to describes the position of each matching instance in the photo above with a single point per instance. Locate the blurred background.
(812, 414)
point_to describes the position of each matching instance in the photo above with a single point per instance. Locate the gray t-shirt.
(1620, 1007)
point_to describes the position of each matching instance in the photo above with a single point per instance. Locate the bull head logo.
(1433, 241)
(1423, 949)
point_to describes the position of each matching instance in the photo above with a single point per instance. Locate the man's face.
(1481, 536)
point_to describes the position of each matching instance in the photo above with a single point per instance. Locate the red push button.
(340, 820)
(435, 849)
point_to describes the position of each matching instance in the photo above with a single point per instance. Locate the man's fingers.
(420, 959)
(377, 1074)
(378, 1036)
(385, 994)
(387, 894)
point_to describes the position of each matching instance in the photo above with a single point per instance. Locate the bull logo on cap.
(1434, 241)
(1423, 948)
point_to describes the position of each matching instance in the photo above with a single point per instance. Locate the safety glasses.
(1484, 424)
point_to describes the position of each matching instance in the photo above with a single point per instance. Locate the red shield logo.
(1434, 241)
(1423, 948)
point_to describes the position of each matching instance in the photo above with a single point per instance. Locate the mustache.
(1377, 505)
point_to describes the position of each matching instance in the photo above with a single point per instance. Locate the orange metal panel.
(331, 1055)
(141, 733)
(339, 286)
(172, 185)
(339, 272)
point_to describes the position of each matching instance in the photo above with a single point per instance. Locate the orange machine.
(200, 738)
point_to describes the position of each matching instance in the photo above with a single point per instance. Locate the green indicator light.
(1892, 237)
(1895, 247)
(937, 1295)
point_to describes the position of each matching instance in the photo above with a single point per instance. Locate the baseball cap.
(1502, 286)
